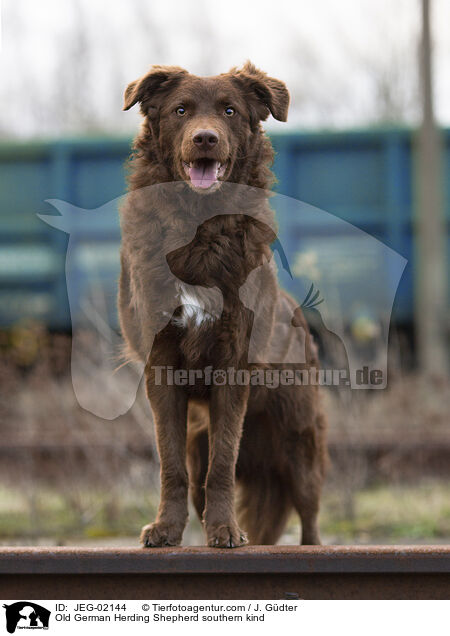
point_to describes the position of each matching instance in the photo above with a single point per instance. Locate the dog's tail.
(263, 508)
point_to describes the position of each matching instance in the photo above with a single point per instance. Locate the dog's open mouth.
(204, 173)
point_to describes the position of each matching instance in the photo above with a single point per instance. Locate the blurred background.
(368, 140)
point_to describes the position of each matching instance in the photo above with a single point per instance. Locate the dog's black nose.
(205, 138)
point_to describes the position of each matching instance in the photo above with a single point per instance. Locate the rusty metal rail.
(331, 572)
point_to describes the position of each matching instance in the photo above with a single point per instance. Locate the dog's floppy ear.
(158, 79)
(267, 93)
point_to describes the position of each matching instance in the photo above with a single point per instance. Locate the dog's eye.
(181, 111)
(229, 111)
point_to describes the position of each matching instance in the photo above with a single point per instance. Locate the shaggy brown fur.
(197, 231)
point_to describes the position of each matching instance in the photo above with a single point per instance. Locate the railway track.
(257, 572)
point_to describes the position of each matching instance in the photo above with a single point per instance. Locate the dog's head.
(203, 126)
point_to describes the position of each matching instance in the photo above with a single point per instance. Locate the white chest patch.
(200, 304)
(193, 306)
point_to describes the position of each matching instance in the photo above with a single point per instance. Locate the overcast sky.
(335, 56)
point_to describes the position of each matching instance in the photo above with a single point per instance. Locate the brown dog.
(198, 245)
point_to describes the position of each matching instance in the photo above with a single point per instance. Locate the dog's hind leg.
(197, 456)
(306, 473)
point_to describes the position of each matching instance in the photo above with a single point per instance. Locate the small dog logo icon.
(26, 615)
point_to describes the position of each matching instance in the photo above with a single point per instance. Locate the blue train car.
(364, 178)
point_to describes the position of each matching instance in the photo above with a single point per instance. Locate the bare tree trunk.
(430, 235)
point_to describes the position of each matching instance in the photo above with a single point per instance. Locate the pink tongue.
(203, 173)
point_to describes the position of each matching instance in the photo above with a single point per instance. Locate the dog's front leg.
(169, 407)
(228, 405)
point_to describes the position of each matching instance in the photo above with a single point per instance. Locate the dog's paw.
(159, 535)
(226, 536)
